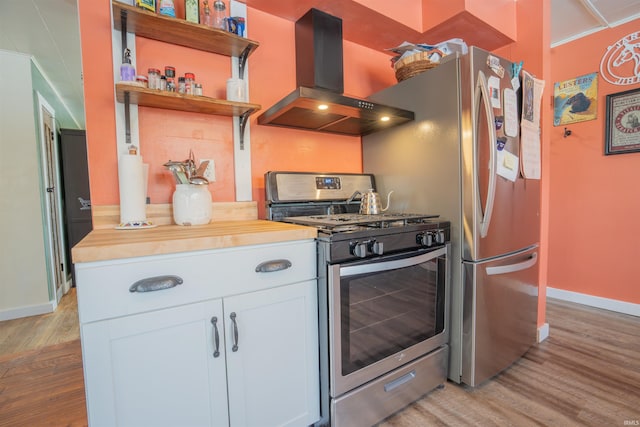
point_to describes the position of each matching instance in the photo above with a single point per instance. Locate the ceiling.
(48, 31)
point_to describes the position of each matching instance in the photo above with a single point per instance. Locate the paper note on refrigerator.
(508, 165)
(510, 101)
(531, 97)
(530, 151)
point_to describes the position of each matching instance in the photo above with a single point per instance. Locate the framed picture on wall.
(622, 126)
(575, 100)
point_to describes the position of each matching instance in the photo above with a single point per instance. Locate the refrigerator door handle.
(482, 90)
(511, 268)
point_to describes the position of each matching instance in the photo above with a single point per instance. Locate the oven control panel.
(431, 238)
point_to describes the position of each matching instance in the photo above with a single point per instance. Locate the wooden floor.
(587, 373)
(36, 332)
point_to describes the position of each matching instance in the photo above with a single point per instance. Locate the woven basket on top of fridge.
(414, 64)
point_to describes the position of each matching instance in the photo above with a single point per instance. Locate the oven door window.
(387, 310)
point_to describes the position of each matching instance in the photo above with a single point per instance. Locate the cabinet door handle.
(216, 337)
(273, 265)
(157, 283)
(235, 332)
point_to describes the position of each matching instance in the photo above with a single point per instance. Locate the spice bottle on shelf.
(189, 81)
(219, 15)
(154, 78)
(127, 71)
(206, 18)
(181, 85)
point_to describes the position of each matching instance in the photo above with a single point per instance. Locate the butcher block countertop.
(109, 243)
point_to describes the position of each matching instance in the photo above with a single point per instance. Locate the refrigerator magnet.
(494, 64)
(494, 91)
(508, 165)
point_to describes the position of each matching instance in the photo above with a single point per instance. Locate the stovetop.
(341, 222)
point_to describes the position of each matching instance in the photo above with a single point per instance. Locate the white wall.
(23, 280)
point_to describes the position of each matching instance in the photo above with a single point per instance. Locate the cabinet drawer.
(103, 287)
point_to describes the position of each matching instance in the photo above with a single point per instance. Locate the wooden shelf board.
(177, 101)
(180, 32)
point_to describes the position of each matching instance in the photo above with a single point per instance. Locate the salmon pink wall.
(594, 199)
(97, 66)
(272, 76)
(170, 135)
(499, 14)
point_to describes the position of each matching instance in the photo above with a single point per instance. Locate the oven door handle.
(391, 265)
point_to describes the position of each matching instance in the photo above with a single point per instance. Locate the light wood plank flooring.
(35, 332)
(587, 373)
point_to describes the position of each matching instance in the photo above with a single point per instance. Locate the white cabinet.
(273, 374)
(155, 369)
(150, 358)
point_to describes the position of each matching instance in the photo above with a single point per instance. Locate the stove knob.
(425, 239)
(376, 247)
(359, 249)
(439, 236)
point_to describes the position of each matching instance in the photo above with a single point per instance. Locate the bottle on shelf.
(219, 15)
(206, 18)
(127, 71)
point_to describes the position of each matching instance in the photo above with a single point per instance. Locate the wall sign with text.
(620, 65)
(575, 100)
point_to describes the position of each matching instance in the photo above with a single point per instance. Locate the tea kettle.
(370, 202)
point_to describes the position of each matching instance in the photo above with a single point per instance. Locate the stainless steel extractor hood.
(318, 103)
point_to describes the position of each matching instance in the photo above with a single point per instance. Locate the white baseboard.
(30, 310)
(543, 332)
(593, 301)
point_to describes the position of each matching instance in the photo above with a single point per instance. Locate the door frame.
(53, 225)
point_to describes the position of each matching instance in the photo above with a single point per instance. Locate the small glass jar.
(142, 80)
(219, 15)
(189, 81)
(163, 83)
(153, 74)
(197, 90)
(170, 72)
(171, 85)
(181, 85)
(192, 204)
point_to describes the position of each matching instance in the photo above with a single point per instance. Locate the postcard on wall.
(575, 100)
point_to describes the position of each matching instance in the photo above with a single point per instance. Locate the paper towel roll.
(131, 183)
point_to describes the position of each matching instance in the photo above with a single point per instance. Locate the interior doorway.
(54, 228)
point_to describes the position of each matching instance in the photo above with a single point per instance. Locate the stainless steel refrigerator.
(450, 161)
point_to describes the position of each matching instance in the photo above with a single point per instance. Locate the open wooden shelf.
(180, 32)
(177, 101)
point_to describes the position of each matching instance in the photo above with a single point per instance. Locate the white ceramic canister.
(191, 204)
(236, 90)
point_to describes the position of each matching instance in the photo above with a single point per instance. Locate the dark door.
(75, 177)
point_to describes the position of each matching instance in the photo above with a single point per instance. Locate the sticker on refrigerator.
(494, 64)
(508, 165)
(494, 91)
(510, 101)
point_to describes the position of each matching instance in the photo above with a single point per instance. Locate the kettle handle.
(388, 201)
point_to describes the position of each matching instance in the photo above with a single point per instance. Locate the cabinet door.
(273, 373)
(156, 368)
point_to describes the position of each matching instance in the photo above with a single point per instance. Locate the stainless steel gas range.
(383, 293)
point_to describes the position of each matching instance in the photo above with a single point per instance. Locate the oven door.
(385, 312)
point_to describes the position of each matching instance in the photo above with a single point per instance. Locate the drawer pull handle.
(158, 283)
(274, 265)
(216, 336)
(392, 385)
(235, 332)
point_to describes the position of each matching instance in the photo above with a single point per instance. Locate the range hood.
(318, 103)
